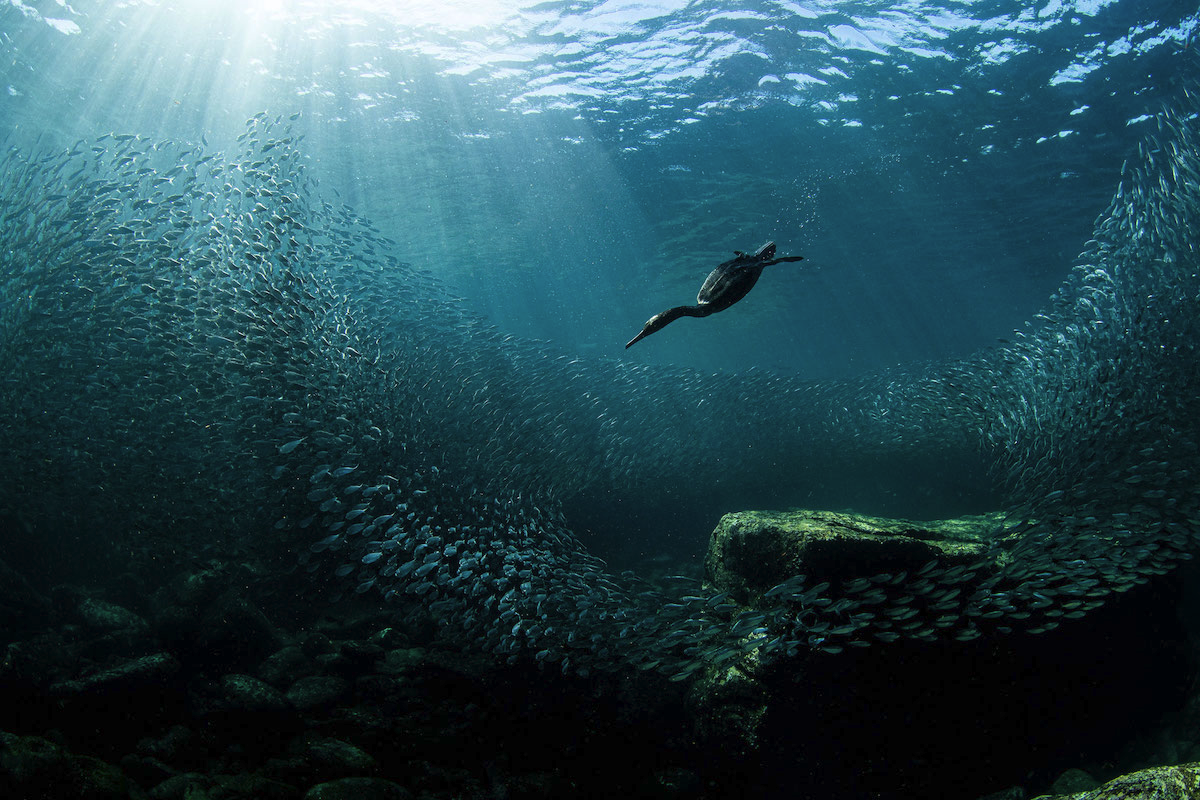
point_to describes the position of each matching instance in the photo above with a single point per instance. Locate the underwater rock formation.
(1156, 783)
(210, 354)
(756, 556)
(751, 552)
(31, 766)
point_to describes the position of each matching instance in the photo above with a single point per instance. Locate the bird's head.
(653, 325)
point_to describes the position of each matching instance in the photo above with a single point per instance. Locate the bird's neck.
(700, 310)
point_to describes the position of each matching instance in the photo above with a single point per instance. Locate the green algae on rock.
(1156, 783)
(751, 551)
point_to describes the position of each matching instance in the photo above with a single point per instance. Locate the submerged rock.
(129, 675)
(751, 551)
(201, 786)
(402, 660)
(286, 666)
(31, 766)
(358, 789)
(247, 693)
(316, 691)
(1073, 781)
(1157, 783)
(103, 617)
(340, 758)
(169, 746)
(728, 705)
(236, 628)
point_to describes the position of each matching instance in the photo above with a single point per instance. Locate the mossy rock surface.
(751, 551)
(33, 767)
(358, 789)
(1180, 782)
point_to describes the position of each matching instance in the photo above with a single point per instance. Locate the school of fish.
(196, 346)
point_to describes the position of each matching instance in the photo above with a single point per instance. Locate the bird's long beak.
(637, 338)
(650, 327)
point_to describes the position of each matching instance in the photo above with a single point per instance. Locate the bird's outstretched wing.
(781, 260)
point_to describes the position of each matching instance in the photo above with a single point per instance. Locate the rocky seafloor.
(233, 678)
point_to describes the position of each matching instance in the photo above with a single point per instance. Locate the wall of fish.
(196, 346)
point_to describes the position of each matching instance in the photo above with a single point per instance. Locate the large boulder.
(752, 551)
(358, 789)
(33, 767)
(1156, 783)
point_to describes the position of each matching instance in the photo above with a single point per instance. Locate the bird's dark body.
(730, 282)
(724, 286)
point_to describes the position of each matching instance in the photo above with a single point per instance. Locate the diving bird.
(723, 287)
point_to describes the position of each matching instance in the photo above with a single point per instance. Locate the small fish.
(286, 449)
